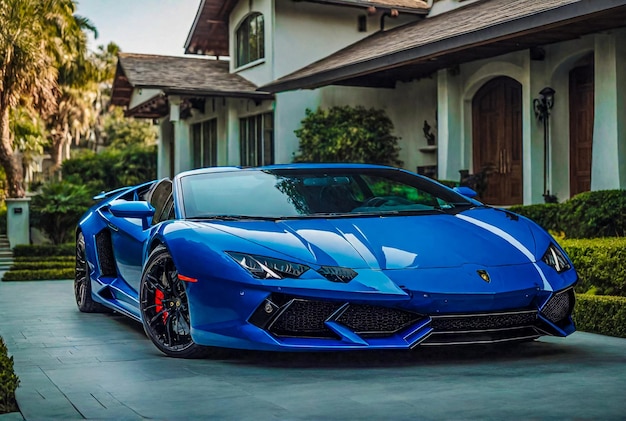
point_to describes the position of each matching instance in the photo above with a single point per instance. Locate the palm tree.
(42, 43)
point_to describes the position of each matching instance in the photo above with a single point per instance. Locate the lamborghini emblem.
(484, 275)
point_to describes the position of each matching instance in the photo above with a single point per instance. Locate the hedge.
(46, 264)
(601, 314)
(586, 215)
(71, 259)
(599, 263)
(45, 250)
(546, 215)
(8, 381)
(38, 275)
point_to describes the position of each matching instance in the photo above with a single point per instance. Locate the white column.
(233, 132)
(609, 137)
(183, 159)
(450, 150)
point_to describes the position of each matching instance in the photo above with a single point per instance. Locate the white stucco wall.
(300, 33)
(139, 96)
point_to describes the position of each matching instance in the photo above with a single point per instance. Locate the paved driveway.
(101, 366)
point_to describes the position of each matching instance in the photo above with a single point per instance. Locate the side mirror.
(126, 209)
(465, 191)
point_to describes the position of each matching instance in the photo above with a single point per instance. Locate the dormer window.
(250, 39)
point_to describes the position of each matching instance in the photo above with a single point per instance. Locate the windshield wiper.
(233, 217)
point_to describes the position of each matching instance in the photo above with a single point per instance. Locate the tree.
(57, 209)
(347, 134)
(39, 41)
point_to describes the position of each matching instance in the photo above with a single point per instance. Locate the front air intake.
(560, 306)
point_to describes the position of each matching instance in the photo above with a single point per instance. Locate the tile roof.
(184, 75)
(453, 30)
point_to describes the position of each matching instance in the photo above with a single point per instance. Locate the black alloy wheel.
(165, 309)
(82, 283)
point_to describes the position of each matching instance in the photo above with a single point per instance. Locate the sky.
(141, 26)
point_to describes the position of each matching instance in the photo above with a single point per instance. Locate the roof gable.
(479, 30)
(209, 32)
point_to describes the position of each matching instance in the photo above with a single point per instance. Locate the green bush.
(587, 215)
(44, 250)
(599, 263)
(595, 214)
(46, 264)
(601, 314)
(66, 259)
(57, 209)
(38, 274)
(347, 134)
(547, 215)
(8, 381)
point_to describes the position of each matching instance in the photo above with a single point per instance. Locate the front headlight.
(554, 258)
(267, 267)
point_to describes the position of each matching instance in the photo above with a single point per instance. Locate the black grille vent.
(483, 321)
(560, 306)
(305, 318)
(104, 248)
(368, 320)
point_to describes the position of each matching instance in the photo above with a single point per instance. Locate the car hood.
(484, 236)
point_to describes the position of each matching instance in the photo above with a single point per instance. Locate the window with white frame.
(204, 141)
(250, 39)
(256, 135)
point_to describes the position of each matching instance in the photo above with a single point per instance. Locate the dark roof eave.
(409, 10)
(260, 95)
(490, 34)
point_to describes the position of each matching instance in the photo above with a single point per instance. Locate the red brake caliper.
(158, 300)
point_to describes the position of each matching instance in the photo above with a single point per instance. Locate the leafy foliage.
(601, 314)
(112, 168)
(8, 381)
(43, 250)
(121, 132)
(57, 209)
(586, 215)
(599, 263)
(38, 274)
(546, 214)
(347, 134)
(595, 214)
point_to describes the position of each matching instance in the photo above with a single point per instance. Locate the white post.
(18, 224)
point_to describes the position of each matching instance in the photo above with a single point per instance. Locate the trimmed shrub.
(546, 215)
(46, 264)
(599, 263)
(38, 275)
(595, 214)
(44, 250)
(586, 215)
(8, 381)
(601, 314)
(47, 259)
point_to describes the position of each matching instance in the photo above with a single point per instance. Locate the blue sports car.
(318, 257)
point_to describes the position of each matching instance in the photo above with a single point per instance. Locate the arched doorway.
(497, 139)
(581, 110)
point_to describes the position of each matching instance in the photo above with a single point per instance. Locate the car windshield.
(303, 193)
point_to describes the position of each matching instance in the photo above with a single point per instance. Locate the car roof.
(311, 166)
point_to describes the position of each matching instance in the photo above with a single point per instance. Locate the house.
(531, 93)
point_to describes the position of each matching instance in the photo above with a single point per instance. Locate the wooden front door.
(497, 140)
(580, 127)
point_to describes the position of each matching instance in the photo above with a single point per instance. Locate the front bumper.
(291, 323)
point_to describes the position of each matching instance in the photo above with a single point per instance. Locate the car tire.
(82, 282)
(164, 308)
